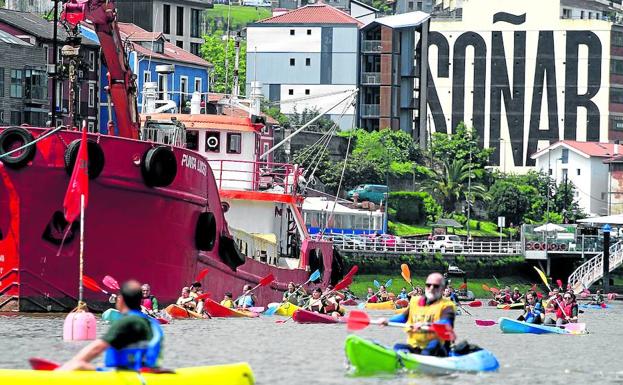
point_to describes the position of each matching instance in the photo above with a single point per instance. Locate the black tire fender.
(95, 153)
(14, 137)
(159, 166)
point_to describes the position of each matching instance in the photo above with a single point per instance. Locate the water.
(290, 353)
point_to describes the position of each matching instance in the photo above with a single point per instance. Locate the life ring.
(536, 246)
(12, 138)
(562, 247)
(552, 247)
(95, 154)
(159, 166)
(543, 246)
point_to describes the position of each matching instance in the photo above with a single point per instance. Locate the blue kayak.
(593, 306)
(368, 358)
(508, 325)
(111, 315)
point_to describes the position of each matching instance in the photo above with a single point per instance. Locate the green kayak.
(368, 358)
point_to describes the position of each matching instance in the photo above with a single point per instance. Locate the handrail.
(592, 270)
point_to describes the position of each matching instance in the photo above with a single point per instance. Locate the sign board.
(501, 221)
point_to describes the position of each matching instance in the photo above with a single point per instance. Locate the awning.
(608, 219)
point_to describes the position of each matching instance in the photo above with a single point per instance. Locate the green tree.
(508, 200)
(565, 202)
(449, 184)
(458, 145)
(359, 170)
(393, 151)
(217, 51)
(323, 124)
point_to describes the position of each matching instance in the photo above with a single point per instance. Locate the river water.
(289, 353)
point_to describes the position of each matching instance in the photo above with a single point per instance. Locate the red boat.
(309, 317)
(154, 211)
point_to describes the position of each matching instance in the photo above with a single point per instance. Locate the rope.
(81, 308)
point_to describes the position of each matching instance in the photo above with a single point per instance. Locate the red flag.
(79, 182)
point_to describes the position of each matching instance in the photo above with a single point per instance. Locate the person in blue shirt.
(533, 310)
(132, 342)
(403, 294)
(247, 298)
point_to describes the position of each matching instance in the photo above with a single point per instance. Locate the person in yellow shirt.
(228, 301)
(422, 311)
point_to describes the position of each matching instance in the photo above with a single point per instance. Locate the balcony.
(370, 78)
(371, 46)
(370, 110)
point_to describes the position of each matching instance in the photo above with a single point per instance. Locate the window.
(265, 148)
(616, 95)
(307, 61)
(213, 141)
(92, 95)
(166, 18)
(195, 22)
(565, 156)
(578, 171)
(234, 143)
(565, 173)
(17, 87)
(581, 14)
(292, 61)
(419, 6)
(292, 32)
(162, 89)
(16, 118)
(566, 13)
(616, 66)
(146, 77)
(183, 90)
(179, 27)
(91, 61)
(410, 6)
(1, 116)
(35, 84)
(309, 31)
(91, 126)
(550, 172)
(195, 49)
(180, 44)
(1, 82)
(306, 91)
(590, 15)
(198, 85)
(192, 139)
(290, 91)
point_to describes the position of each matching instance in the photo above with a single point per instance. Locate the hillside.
(216, 18)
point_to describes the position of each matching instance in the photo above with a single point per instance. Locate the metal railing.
(370, 78)
(593, 269)
(256, 176)
(370, 110)
(372, 46)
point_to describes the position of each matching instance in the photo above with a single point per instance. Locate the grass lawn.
(240, 15)
(487, 229)
(362, 282)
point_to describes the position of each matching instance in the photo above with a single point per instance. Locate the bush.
(413, 208)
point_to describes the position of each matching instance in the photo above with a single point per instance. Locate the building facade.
(524, 77)
(306, 59)
(38, 32)
(148, 51)
(23, 83)
(391, 73)
(34, 6)
(180, 21)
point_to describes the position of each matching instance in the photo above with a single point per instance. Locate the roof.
(6, 37)
(362, 4)
(318, 13)
(136, 34)
(324, 204)
(583, 4)
(208, 122)
(215, 97)
(609, 219)
(586, 149)
(403, 20)
(35, 25)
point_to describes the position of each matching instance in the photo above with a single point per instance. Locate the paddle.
(406, 274)
(497, 282)
(111, 283)
(358, 320)
(201, 275)
(42, 364)
(463, 286)
(580, 327)
(351, 273)
(90, 284)
(559, 283)
(475, 304)
(544, 279)
(263, 282)
(378, 285)
(313, 277)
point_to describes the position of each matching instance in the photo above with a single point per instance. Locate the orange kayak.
(176, 311)
(215, 309)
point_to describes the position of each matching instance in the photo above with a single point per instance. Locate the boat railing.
(261, 247)
(279, 178)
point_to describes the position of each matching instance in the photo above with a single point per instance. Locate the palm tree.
(448, 184)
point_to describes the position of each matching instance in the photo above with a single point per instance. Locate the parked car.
(443, 243)
(369, 192)
(348, 241)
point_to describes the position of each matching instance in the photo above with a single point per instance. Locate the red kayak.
(303, 316)
(349, 302)
(215, 309)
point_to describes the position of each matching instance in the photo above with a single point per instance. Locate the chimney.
(616, 147)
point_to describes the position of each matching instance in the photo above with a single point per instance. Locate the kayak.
(367, 357)
(176, 311)
(303, 316)
(215, 309)
(388, 305)
(112, 315)
(508, 325)
(593, 306)
(349, 302)
(493, 302)
(233, 374)
(287, 309)
(516, 305)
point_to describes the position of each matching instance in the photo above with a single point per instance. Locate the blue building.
(147, 51)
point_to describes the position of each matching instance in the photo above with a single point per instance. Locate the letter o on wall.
(159, 166)
(12, 138)
(95, 153)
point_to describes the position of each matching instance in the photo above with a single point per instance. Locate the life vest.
(245, 301)
(566, 308)
(228, 303)
(316, 305)
(422, 313)
(147, 303)
(142, 354)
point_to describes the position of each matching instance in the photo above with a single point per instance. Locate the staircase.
(593, 269)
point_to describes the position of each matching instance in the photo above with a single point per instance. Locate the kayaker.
(246, 299)
(533, 310)
(450, 294)
(199, 302)
(516, 296)
(371, 296)
(316, 303)
(185, 300)
(134, 335)
(568, 310)
(423, 310)
(194, 287)
(598, 299)
(149, 303)
(228, 300)
(403, 294)
(383, 295)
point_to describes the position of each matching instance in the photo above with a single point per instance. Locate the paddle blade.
(475, 304)
(543, 277)
(506, 307)
(203, 296)
(576, 327)
(42, 364)
(343, 284)
(443, 331)
(485, 322)
(485, 287)
(90, 284)
(533, 287)
(495, 290)
(406, 273)
(352, 272)
(376, 284)
(388, 283)
(357, 320)
(314, 276)
(267, 280)
(463, 286)
(539, 295)
(272, 310)
(110, 282)
(201, 274)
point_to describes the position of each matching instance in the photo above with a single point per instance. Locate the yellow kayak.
(287, 309)
(388, 305)
(233, 374)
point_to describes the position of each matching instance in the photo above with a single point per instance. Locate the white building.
(580, 163)
(306, 58)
